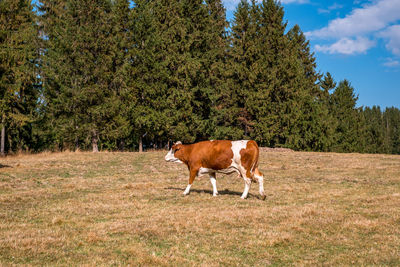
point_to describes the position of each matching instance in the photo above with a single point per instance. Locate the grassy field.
(127, 208)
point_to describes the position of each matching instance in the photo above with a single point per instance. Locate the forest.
(117, 75)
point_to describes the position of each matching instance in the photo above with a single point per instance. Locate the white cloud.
(354, 32)
(392, 34)
(335, 6)
(347, 46)
(370, 18)
(391, 63)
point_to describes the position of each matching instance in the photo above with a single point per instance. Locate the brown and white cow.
(223, 156)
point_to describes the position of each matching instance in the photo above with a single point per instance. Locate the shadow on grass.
(207, 191)
(4, 166)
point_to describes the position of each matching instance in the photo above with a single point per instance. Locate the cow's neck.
(185, 155)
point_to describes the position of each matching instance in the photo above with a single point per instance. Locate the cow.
(222, 156)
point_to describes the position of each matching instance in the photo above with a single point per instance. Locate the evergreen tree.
(326, 119)
(190, 52)
(348, 129)
(242, 55)
(313, 128)
(327, 84)
(374, 130)
(172, 47)
(119, 128)
(391, 121)
(19, 89)
(268, 101)
(78, 77)
(279, 92)
(147, 94)
(220, 119)
(301, 47)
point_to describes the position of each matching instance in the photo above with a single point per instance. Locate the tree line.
(122, 75)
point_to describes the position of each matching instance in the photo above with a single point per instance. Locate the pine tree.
(348, 118)
(327, 118)
(391, 122)
(327, 84)
(190, 49)
(275, 103)
(78, 73)
(374, 130)
(19, 89)
(219, 118)
(147, 94)
(307, 59)
(120, 128)
(311, 129)
(242, 55)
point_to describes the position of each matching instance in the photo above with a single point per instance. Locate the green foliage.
(19, 88)
(391, 121)
(347, 132)
(116, 73)
(83, 94)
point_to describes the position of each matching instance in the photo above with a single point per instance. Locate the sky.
(357, 40)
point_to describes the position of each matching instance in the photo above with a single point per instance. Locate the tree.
(276, 99)
(313, 124)
(348, 129)
(78, 69)
(391, 122)
(327, 116)
(242, 55)
(119, 128)
(374, 130)
(180, 47)
(327, 84)
(18, 72)
(147, 93)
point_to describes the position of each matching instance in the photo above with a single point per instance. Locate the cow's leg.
(260, 178)
(214, 184)
(247, 184)
(192, 175)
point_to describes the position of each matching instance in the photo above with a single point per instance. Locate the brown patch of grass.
(127, 208)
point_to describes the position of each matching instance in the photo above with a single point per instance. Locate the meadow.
(104, 209)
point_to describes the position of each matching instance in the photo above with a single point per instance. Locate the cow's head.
(175, 153)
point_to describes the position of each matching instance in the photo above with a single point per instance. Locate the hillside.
(128, 208)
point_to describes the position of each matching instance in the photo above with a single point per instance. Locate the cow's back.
(222, 154)
(214, 155)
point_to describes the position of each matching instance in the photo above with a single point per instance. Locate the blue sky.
(358, 40)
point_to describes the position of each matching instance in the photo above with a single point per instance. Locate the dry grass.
(126, 208)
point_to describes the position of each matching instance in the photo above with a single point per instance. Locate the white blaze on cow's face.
(170, 157)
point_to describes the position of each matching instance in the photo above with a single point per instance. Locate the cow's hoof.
(215, 195)
(263, 197)
(242, 197)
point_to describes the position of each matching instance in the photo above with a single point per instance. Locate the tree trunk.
(3, 138)
(122, 145)
(140, 144)
(76, 138)
(76, 144)
(95, 139)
